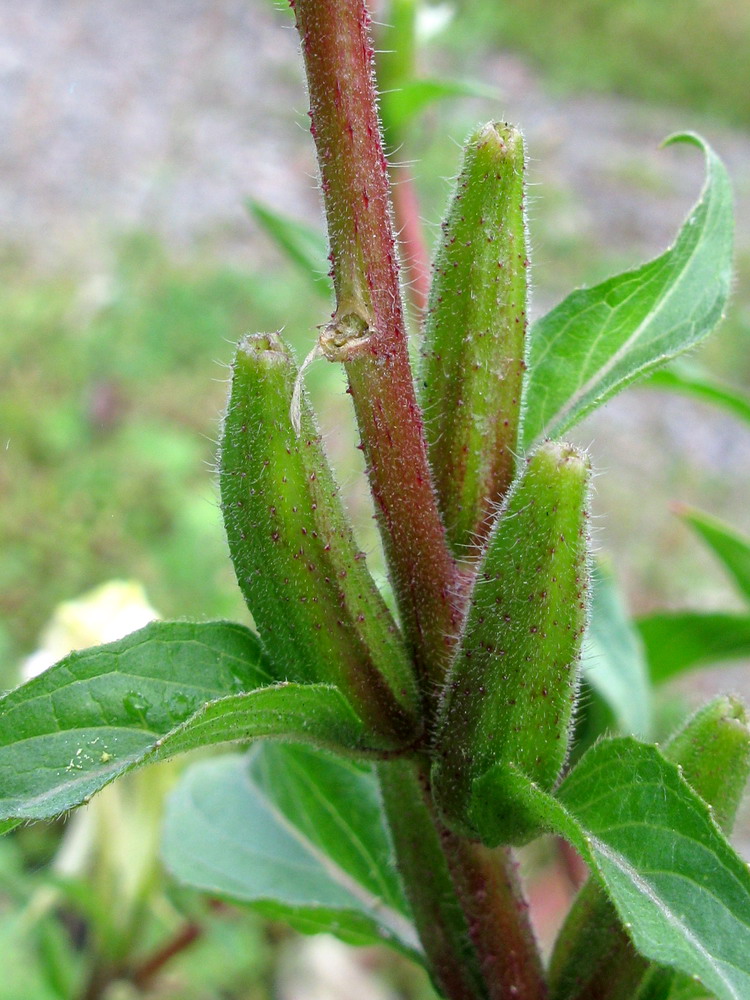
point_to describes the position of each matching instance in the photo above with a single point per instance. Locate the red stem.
(416, 260)
(368, 330)
(496, 910)
(146, 972)
(368, 335)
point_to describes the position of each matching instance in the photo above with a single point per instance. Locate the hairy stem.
(439, 919)
(490, 894)
(468, 906)
(367, 332)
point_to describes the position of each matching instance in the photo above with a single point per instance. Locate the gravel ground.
(165, 114)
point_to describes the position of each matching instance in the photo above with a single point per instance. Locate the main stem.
(368, 330)
(466, 902)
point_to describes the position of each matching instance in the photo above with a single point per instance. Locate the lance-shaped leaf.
(295, 833)
(403, 94)
(304, 246)
(473, 355)
(691, 380)
(679, 888)
(169, 688)
(676, 641)
(594, 958)
(600, 339)
(728, 545)
(613, 660)
(317, 609)
(511, 692)
(401, 106)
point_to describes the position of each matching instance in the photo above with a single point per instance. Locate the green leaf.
(691, 380)
(679, 888)
(402, 105)
(600, 339)
(295, 833)
(676, 641)
(160, 691)
(613, 658)
(304, 246)
(593, 954)
(728, 545)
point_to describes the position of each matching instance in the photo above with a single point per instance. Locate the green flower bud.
(713, 749)
(512, 689)
(315, 605)
(473, 356)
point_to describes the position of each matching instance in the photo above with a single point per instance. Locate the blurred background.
(134, 135)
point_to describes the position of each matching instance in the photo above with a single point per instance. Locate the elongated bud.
(594, 958)
(512, 689)
(713, 749)
(314, 602)
(474, 347)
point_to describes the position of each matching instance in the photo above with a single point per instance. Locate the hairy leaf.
(293, 832)
(594, 958)
(678, 887)
(600, 339)
(169, 688)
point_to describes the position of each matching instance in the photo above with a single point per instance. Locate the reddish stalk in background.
(368, 331)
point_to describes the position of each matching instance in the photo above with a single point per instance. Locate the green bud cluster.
(316, 607)
(509, 697)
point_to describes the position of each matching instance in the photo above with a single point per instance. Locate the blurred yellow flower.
(106, 613)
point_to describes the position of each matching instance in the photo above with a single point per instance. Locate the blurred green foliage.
(686, 52)
(108, 391)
